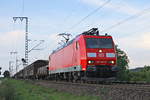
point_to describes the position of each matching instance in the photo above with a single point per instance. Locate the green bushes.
(143, 75)
(140, 76)
(125, 74)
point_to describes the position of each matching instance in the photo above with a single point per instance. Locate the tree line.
(125, 74)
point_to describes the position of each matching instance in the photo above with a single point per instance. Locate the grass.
(5, 92)
(20, 90)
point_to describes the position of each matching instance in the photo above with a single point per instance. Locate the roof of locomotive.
(84, 35)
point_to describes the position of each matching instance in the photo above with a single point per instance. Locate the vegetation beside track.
(139, 76)
(142, 75)
(21, 90)
(125, 74)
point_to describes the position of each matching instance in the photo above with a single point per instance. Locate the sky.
(48, 18)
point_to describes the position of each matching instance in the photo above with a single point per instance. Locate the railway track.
(114, 91)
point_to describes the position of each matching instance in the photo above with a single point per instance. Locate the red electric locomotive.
(87, 55)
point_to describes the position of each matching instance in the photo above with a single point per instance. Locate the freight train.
(88, 55)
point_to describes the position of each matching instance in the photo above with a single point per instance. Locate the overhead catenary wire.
(66, 18)
(127, 19)
(91, 13)
(144, 29)
(116, 7)
(72, 12)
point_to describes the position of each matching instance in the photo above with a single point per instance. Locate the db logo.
(101, 55)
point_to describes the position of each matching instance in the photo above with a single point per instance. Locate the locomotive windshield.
(99, 43)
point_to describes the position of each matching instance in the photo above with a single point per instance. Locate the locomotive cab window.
(77, 45)
(99, 43)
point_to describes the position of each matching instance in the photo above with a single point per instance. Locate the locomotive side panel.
(66, 59)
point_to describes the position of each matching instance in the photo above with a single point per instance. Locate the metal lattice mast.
(26, 41)
(26, 37)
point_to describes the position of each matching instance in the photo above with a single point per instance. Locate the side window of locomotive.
(77, 45)
(49, 58)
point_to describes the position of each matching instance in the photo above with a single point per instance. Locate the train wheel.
(76, 76)
(83, 81)
(70, 77)
(83, 77)
(56, 77)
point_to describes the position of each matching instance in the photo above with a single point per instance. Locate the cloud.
(140, 41)
(144, 41)
(9, 38)
(120, 7)
(137, 48)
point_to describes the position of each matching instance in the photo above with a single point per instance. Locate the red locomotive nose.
(101, 57)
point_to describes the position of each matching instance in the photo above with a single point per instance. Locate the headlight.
(90, 61)
(111, 62)
(100, 50)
